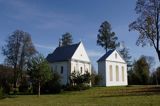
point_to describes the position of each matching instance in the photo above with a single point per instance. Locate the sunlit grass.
(96, 96)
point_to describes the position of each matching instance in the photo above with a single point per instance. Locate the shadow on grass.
(144, 91)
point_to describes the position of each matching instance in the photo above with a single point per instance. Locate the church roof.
(103, 58)
(63, 53)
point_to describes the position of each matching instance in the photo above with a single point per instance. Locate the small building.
(66, 59)
(113, 69)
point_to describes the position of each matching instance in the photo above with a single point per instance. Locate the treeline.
(142, 72)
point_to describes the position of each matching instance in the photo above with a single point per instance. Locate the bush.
(52, 86)
(77, 78)
(95, 79)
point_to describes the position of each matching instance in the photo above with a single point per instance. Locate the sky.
(47, 20)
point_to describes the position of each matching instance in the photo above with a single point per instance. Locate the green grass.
(96, 96)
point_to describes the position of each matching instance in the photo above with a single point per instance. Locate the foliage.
(95, 78)
(53, 85)
(24, 85)
(140, 72)
(155, 78)
(147, 23)
(106, 38)
(39, 71)
(77, 78)
(125, 54)
(79, 81)
(6, 78)
(67, 39)
(18, 50)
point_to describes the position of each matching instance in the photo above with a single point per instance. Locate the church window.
(117, 73)
(122, 73)
(111, 73)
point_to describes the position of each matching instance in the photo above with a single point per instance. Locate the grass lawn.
(96, 96)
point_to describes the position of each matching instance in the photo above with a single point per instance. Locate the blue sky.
(47, 20)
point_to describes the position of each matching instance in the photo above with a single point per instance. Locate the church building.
(113, 69)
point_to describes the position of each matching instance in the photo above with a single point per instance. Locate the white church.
(113, 69)
(66, 59)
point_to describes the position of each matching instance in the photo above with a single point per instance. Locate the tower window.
(116, 55)
(61, 69)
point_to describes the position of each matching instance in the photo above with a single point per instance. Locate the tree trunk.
(39, 88)
(158, 52)
(15, 79)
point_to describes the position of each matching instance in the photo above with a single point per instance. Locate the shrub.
(52, 86)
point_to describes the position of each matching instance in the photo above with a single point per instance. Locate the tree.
(125, 54)
(95, 78)
(106, 38)
(6, 78)
(67, 39)
(39, 71)
(147, 23)
(156, 76)
(53, 85)
(18, 50)
(140, 74)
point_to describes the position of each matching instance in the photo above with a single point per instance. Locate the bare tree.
(147, 23)
(18, 50)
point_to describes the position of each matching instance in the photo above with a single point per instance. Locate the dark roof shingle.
(63, 53)
(103, 58)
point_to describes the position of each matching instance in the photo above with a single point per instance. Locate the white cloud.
(94, 53)
(45, 46)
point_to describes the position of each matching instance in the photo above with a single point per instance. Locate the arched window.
(61, 69)
(111, 73)
(117, 73)
(74, 68)
(122, 73)
(81, 69)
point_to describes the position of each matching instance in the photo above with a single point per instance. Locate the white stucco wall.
(113, 58)
(80, 54)
(57, 67)
(114, 82)
(77, 65)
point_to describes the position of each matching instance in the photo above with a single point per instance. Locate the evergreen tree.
(106, 38)
(67, 39)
